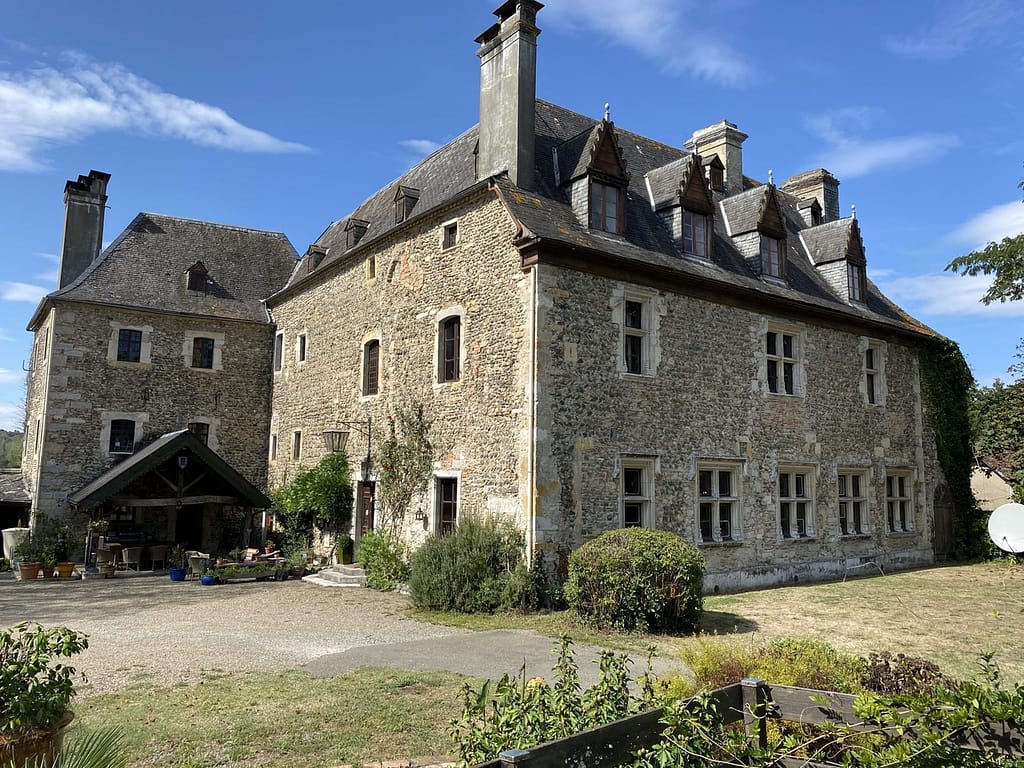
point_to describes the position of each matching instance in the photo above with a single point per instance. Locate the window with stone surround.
(636, 492)
(122, 436)
(783, 361)
(371, 367)
(449, 235)
(718, 502)
(874, 373)
(899, 502)
(853, 502)
(278, 351)
(300, 348)
(296, 445)
(695, 234)
(201, 429)
(449, 345)
(446, 504)
(129, 345)
(273, 446)
(202, 352)
(796, 502)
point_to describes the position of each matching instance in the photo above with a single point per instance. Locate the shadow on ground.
(725, 623)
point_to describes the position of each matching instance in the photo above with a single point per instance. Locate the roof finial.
(853, 212)
(607, 112)
(771, 177)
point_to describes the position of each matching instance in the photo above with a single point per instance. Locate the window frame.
(899, 505)
(873, 355)
(779, 359)
(791, 498)
(856, 282)
(300, 348)
(446, 507)
(449, 235)
(296, 448)
(132, 347)
(112, 437)
(849, 494)
(370, 367)
(203, 352)
(652, 309)
(641, 496)
(602, 195)
(273, 447)
(278, 358)
(444, 347)
(695, 242)
(772, 250)
(202, 434)
(713, 501)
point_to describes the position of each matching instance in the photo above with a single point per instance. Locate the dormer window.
(772, 262)
(714, 171)
(605, 207)
(695, 234)
(405, 199)
(856, 280)
(196, 277)
(354, 231)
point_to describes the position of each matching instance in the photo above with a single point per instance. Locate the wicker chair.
(158, 553)
(132, 557)
(197, 563)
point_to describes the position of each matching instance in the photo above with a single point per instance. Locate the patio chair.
(197, 563)
(132, 558)
(158, 553)
(104, 557)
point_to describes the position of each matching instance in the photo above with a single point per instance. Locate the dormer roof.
(834, 241)
(754, 210)
(596, 150)
(680, 182)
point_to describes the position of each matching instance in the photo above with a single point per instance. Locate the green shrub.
(383, 559)
(637, 579)
(477, 568)
(810, 664)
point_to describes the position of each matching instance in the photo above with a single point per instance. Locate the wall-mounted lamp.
(336, 439)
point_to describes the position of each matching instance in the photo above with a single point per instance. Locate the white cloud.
(849, 154)
(991, 226)
(12, 417)
(945, 295)
(11, 377)
(5, 336)
(654, 28)
(10, 291)
(956, 28)
(42, 107)
(420, 146)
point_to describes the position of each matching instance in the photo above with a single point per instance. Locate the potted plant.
(209, 578)
(269, 547)
(297, 563)
(35, 691)
(178, 566)
(65, 567)
(31, 554)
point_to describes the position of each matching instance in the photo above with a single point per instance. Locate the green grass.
(286, 719)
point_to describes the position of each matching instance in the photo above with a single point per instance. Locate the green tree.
(406, 458)
(320, 497)
(997, 429)
(10, 448)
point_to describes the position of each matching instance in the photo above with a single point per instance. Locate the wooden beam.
(173, 501)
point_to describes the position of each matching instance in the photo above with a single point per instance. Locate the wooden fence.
(614, 744)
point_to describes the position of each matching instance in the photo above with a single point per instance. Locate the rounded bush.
(637, 579)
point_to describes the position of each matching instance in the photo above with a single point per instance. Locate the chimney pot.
(85, 202)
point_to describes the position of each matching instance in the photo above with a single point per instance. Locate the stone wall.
(85, 387)
(479, 422)
(708, 401)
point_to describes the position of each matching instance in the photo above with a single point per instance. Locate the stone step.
(338, 576)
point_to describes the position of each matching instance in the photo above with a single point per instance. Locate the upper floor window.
(605, 204)
(718, 503)
(874, 373)
(899, 507)
(278, 351)
(782, 357)
(371, 367)
(695, 234)
(856, 279)
(273, 446)
(450, 235)
(796, 504)
(202, 352)
(636, 312)
(772, 257)
(447, 501)
(637, 493)
(634, 336)
(296, 445)
(122, 436)
(853, 502)
(449, 351)
(201, 430)
(300, 348)
(129, 345)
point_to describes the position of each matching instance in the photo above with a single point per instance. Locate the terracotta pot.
(36, 745)
(64, 570)
(28, 571)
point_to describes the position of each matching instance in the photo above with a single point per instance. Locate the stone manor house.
(604, 331)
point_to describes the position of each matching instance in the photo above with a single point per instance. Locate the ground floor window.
(852, 503)
(718, 503)
(637, 493)
(447, 504)
(122, 436)
(796, 504)
(898, 503)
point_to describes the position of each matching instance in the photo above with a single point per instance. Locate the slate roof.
(828, 242)
(546, 213)
(12, 487)
(144, 268)
(664, 182)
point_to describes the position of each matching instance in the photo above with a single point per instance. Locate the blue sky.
(285, 116)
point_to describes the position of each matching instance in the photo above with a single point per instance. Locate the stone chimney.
(818, 185)
(85, 201)
(508, 93)
(722, 139)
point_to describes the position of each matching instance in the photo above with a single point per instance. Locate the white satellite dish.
(1006, 528)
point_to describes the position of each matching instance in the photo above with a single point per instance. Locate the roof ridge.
(646, 139)
(235, 227)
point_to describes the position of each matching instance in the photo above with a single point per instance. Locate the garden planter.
(28, 571)
(177, 574)
(65, 570)
(37, 747)
(206, 580)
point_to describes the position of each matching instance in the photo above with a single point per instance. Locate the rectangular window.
(772, 263)
(122, 436)
(874, 376)
(898, 502)
(782, 357)
(371, 268)
(718, 504)
(855, 280)
(195, 281)
(852, 503)
(450, 235)
(604, 207)
(296, 445)
(695, 234)
(278, 351)
(450, 333)
(300, 348)
(202, 352)
(634, 336)
(796, 505)
(447, 504)
(201, 430)
(371, 367)
(273, 446)
(637, 495)
(129, 345)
